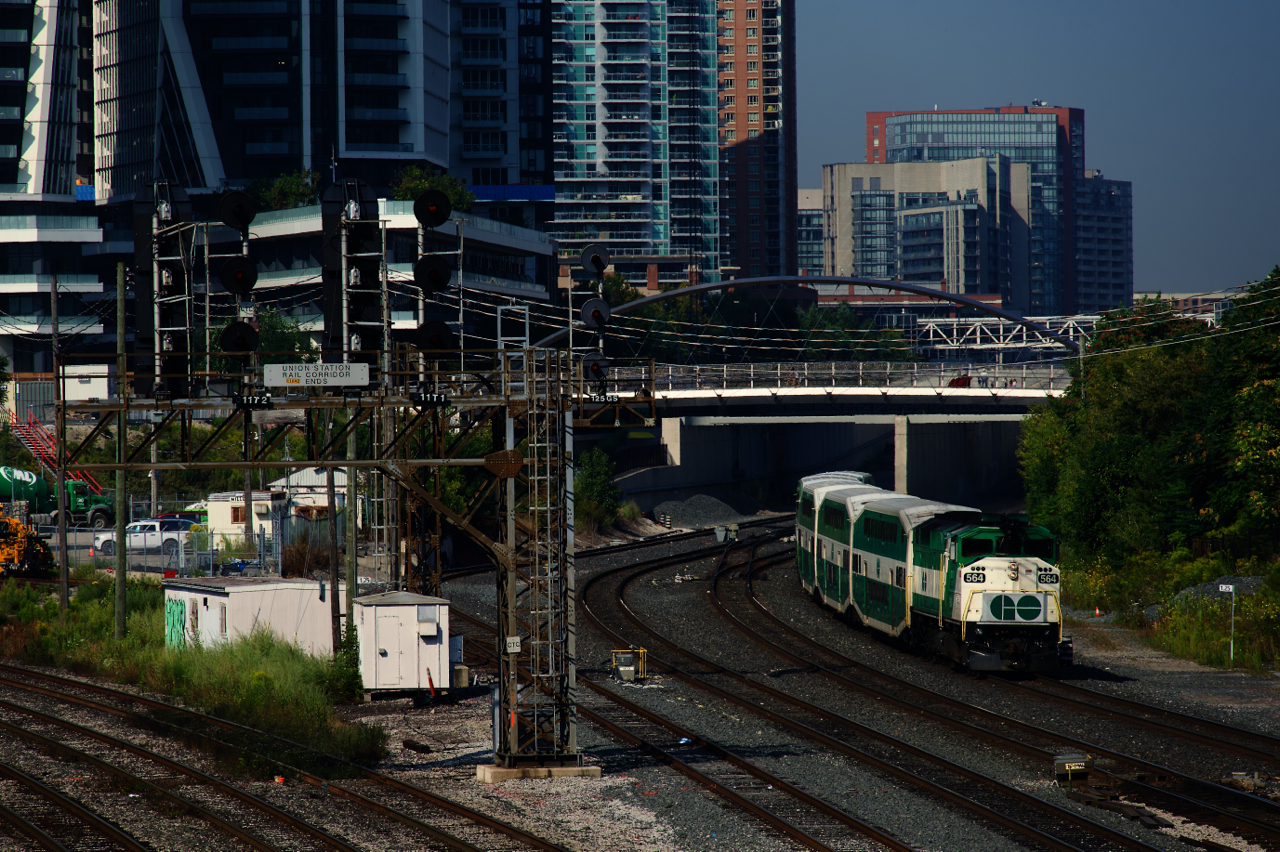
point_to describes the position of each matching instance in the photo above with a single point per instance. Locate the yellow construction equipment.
(22, 551)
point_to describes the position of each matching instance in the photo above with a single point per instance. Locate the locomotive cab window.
(970, 547)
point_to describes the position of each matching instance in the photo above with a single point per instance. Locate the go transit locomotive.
(980, 590)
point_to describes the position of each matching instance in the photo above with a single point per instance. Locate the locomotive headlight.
(1013, 572)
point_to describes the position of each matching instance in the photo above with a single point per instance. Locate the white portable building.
(215, 610)
(403, 636)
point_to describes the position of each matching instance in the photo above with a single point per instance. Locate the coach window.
(845, 554)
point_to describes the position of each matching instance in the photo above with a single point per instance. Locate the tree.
(415, 180)
(287, 191)
(596, 498)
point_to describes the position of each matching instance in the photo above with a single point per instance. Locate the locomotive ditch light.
(595, 314)
(595, 368)
(238, 276)
(432, 273)
(432, 208)
(595, 259)
(237, 209)
(434, 335)
(239, 338)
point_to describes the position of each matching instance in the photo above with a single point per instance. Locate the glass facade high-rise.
(758, 137)
(809, 232)
(1049, 139)
(634, 119)
(211, 94)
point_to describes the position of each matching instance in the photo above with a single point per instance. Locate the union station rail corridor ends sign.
(315, 375)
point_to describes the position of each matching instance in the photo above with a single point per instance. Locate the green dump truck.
(84, 508)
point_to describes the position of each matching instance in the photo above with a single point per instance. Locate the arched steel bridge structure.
(777, 280)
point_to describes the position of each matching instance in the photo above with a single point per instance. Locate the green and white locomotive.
(980, 590)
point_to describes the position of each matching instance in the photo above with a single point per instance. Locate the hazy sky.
(1181, 98)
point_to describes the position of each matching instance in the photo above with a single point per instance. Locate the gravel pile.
(1244, 586)
(700, 510)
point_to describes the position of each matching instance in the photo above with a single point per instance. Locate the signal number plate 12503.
(1047, 579)
(975, 577)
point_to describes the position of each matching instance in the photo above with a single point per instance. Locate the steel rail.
(1218, 738)
(106, 767)
(37, 834)
(1227, 819)
(71, 806)
(208, 720)
(1012, 793)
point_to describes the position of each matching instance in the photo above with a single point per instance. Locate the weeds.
(258, 680)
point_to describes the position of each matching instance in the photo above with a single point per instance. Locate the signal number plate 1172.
(251, 403)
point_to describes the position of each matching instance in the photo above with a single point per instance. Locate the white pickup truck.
(166, 535)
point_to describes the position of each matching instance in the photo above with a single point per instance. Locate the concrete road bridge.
(945, 430)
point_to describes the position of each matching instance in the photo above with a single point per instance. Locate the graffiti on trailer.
(175, 623)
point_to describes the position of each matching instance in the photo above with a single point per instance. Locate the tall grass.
(1200, 629)
(258, 680)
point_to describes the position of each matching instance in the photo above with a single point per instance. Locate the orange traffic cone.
(1097, 611)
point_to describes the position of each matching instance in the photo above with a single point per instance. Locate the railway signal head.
(434, 336)
(239, 338)
(238, 275)
(432, 208)
(595, 368)
(432, 273)
(236, 209)
(595, 259)
(595, 314)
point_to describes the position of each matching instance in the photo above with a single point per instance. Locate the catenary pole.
(122, 445)
(61, 450)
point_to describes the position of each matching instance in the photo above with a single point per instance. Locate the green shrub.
(596, 498)
(1200, 629)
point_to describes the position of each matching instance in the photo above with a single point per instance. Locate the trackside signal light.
(434, 335)
(432, 208)
(237, 209)
(238, 275)
(239, 337)
(595, 314)
(595, 259)
(595, 368)
(432, 273)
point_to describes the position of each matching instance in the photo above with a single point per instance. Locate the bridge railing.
(673, 377)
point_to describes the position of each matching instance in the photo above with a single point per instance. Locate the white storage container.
(404, 642)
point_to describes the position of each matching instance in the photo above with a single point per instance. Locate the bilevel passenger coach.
(980, 590)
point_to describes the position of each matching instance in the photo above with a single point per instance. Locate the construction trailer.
(216, 610)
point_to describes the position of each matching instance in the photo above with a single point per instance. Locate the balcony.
(379, 10)
(254, 78)
(626, 116)
(251, 43)
(270, 149)
(397, 81)
(625, 96)
(262, 113)
(483, 120)
(625, 77)
(240, 7)
(481, 152)
(616, 58)
(374, 114)
(481, 57)
(377, 45)
(486, 88)
(387, 147)
(627, 136)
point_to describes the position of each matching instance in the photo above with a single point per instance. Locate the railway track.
(989, 800)
(244, 817)
(1246, 816)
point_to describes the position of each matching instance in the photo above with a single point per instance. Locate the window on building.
(753, 117)
(237, 515)
(727, 33)
(751, 14)
(753, 100)
(753, 151)
(726, 14)
(726, 67)
(729, 118)
(755, 238)
(730, 135)
(753, 134)
(754, 219)
(753, 49)
(753, 168)
(729, 100)
(755, 252)
(753, 83)
(753, 66)
(727, 83)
